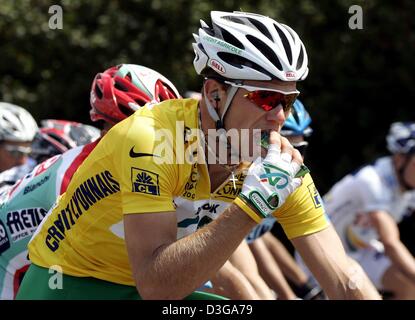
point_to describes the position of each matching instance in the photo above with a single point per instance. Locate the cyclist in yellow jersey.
(146, 211)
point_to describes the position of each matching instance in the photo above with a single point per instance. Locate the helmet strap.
(212, 111)
(230, 94)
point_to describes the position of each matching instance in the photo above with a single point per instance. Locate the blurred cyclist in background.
(116, 93)
(17, 130)
(57, 136)
(365, 207)
(54, 137)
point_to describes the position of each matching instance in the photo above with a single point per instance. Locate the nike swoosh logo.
(140, 154)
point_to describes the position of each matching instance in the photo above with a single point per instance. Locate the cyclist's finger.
(286, 148)
(275, 139)
(296, 157)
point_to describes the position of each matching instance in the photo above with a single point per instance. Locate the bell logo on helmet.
(290, 74)
(216, 65)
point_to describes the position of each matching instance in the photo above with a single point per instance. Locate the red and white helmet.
(119, 91)
(57, 136)
(247, 46)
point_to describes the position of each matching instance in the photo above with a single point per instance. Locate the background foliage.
(359, 82)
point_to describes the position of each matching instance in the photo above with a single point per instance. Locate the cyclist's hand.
(271, 180)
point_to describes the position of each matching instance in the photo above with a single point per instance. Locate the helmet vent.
(98, 92)
(209, 31)
(261, 28)
(265, 50)
(285, 43)
(60, 140)
(140, 102)
(169, 91)
(229, 38)
(200, 46)
(127, 111)
(239, 62)
(234, 19)
(119, 86)
(300, 58)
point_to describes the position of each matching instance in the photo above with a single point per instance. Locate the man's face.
(409, 172)
(247, 116)
(13, 154)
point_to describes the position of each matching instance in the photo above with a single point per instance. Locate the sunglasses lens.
(269, 100)
(17, 154)
(18, 151)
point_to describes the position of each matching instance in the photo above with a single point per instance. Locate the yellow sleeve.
(303, 212)
(147, 170)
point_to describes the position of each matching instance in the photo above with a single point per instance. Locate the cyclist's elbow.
(150, 292)
(156, 290)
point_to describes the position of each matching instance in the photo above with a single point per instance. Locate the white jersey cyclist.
(366, 206)
(372, 188)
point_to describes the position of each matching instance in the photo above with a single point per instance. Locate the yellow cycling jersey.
(143, 165)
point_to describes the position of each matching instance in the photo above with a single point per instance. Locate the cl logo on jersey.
(314, 195)
(144, 181)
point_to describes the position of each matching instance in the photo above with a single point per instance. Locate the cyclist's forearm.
(339, 276)
(285, 261)
(357, 284)
(270, 271)
(231, 283)
(352, 283)
(402, 258)
(176, 270)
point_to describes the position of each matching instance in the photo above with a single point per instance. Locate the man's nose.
(277, 114)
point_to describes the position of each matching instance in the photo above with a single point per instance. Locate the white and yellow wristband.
(245, 208)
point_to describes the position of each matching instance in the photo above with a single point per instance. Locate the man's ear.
(215, 95)
(213, 90)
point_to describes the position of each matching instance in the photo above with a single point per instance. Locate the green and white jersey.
(22, 208)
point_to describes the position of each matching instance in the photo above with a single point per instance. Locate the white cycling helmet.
(247, 46)
(401, 138)
(16, 124)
